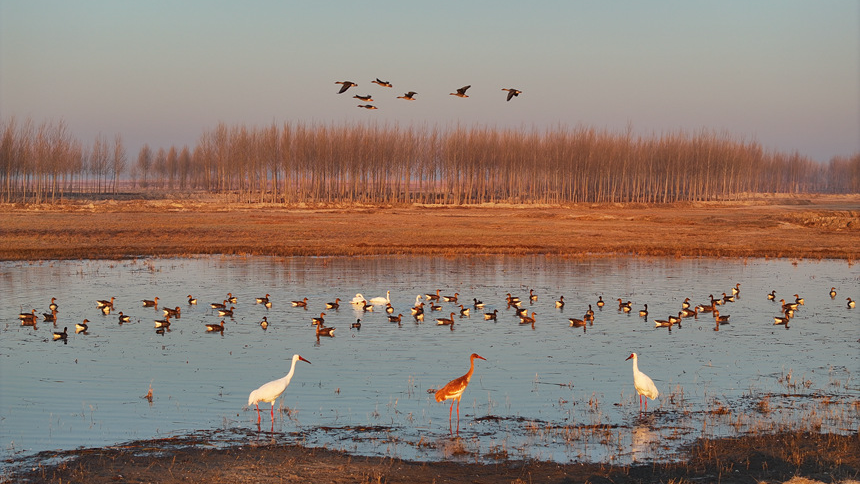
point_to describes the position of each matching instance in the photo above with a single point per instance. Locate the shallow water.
(548, 391)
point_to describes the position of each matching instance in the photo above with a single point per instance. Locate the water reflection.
(549, 389)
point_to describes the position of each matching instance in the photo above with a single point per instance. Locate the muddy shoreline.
(817, 228)
(755, 458)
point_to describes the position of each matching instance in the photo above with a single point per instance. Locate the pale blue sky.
(783, 72)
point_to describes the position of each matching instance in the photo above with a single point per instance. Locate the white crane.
(270, 392)
(643, 384)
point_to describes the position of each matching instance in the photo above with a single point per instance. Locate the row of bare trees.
(381, 163)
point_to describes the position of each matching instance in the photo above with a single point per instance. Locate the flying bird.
(643, 384)
(367, 106)
(512, 93)
(367, 98)
(461, 92)
(345, 85)
(382, 83)
(272, 390)
(409, 96)
(455, 388)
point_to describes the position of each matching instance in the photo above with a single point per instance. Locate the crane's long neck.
(635, 365)
(471, 365)
(293, 370)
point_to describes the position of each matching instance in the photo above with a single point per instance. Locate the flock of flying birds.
(409, 96)
(453, 391)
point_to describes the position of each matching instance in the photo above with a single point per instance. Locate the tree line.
(297, 162)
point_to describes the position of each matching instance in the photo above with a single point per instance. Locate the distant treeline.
(372, 163)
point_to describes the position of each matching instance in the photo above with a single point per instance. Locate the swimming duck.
(264, 323)
(300, 304)
(325, 331)
(215, 327)
(832, 293)
(82, 326)
(444, 321)
(124, 318)
(356, 324)
(395, 319)
(262, 300)
(560, 303)
(644, 312)
(772, 296)
(478, 304)
(319, 321)
(524, 319)
(491, 316)
(333, 305)
(464, 311)
(63, 335)
(600, 302)
(226, 312)
(452, 298)
(150, 303)
(192, 300)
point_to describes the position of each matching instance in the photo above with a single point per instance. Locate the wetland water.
(550, 391)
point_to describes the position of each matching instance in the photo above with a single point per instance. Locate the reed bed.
(298, 162)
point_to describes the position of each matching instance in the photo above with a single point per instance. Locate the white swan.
(358, 299)
(418, 299)
(382, 300)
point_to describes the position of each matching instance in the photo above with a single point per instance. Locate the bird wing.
(645, 386)
(511, 94)
(346, 85)
(269, 392)
(454, 389)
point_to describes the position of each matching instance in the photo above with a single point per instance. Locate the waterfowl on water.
(380, 299)
(560, 303)
(82, 326)
(389, 308)
(367, 307)
(409, 96)
(781, 319)
(325, 331)
(727, 298)
(419, 317)
(512, 92)
(435, 307)
(644, 312)
(444, 321)
(452, 298)
(53, 306)
(478, 304)
(262, 300)
(50, 317)
(334, 304)
(687, 313)
(220, 305)
(704, 308)
(675, 319)
(772, 296)
(358, 300)
(788, 305)
(461, 92)
(124, 318)
(345, 85)
(215, 327)
(192, 300)
(102, 303)
(106, 309)
(799, 300)
(356, 324)
(63, 335)
(173, 313)
(576, 323)
(264, 323)
(525, 319)
(600, 302)
(395, 319)
(832, 292)
(518, 311)
(433, 297)
(590, 312)
(491, 316)
(382, 83)
(150, 303)
(720, 319)
(231, 298)
(300, 304)
(685, 304)
(320, 320)
(851, 303)
(226, 312)
(737, 289)
(464, 311)
(532, 296)
(625, 306)
(419, 308)
(162, 323)
(662, 323)
(30, 315)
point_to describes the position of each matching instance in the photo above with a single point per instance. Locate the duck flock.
(446, 310)
(410, 95)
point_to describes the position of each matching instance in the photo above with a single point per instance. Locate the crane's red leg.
(258, 413)
(273, 412)
(458, 416)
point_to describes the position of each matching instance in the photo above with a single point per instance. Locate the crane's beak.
(306, 361)
(631, 356)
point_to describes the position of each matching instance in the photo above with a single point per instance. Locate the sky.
(785, 73)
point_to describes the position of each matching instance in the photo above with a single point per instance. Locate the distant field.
(794, 227)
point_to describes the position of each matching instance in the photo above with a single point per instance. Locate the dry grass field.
(793, 227)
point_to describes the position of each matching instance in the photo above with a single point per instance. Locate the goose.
(419, 308)
(600, 302)
(676, 319)
(382, 300)
(453, 298)
(63, 335)
(491, 316)
(444, 321)
(590, 312)
(720, 319)
(192, 300)
(461, 92)
(704, 309)
(102, 303)
(687, 313)
(464, 311)
(150, 303)
(799, 300)
(162, 323)
(367, 106)
(532, 296)
(832, 293)
(124, 318)
(625, 306)
(685, 304)
(356, 324)
(173, 313)
(231, 298)
(367, 98)
(715, 301)
(737, 289)
(772, 296)
(478, 304)
(644, 312)
(53, 306)
(435, 307)
(324, 331)
(215, 327)
(262, 300)
(409, 96)
(727, 298)
(334, 304)
(226, 312)
(781, 319)
(367, 307)
(512, 300)
(662, 323)
(788, 305)
(345, 85)
(300, 304)
(512, 93)
(29, 322)
(50, 317)
(560, 303)
(576, 323)
(520, 312)
(30, 315)
(319, 321)
(433, 297)
(106, 310)
(850, 303)
(264, 323)
(220, 305)
(524, 319)
(419, 317)
(358, 300)
(389, 308)
(382, 83)
(395, 319)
